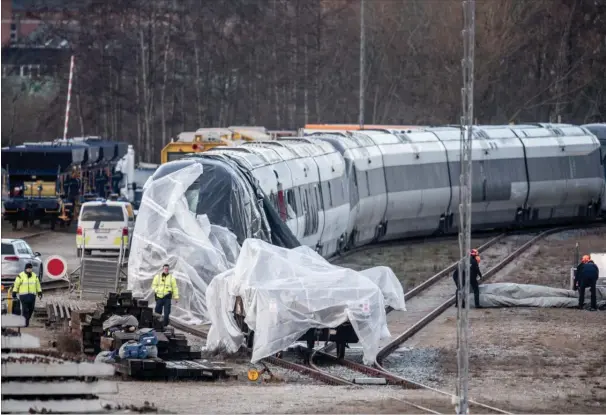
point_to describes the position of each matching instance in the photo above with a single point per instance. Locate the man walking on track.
(165, 290)
(474, 257)
(27, 286)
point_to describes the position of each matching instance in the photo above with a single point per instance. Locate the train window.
(175, 155)
(362, 186)
(274, 200)
(290, 200)
(376, 182)
(329, 195)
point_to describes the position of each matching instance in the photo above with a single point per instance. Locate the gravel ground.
(190, 397)
(412, 262)
(540, 360)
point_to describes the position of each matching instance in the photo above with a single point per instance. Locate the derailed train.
(336, 190)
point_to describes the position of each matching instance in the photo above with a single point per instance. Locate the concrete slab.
(57, 370)
(12, 320)
(58, 388)
(30, 358)
(68, 406)
(370, 381)
(25, 341)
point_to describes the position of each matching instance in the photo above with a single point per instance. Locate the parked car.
(15, 254)
(104, 226)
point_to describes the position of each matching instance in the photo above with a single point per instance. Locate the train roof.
(49, 158)
(42, 160)
(598, 129)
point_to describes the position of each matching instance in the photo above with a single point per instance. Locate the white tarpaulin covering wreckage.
(529, 295)
(167, 231)
(286, 292)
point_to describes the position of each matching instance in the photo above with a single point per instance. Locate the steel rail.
(303, 369)
(393, 345)
(379, 370)
(391, 378)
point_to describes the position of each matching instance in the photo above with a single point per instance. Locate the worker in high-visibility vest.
(165, 290)
(27, 286)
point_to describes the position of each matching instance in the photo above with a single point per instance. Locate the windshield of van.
(102, 213)
(7, 249)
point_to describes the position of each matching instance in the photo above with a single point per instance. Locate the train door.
(305, 210)
(354, 196)
(321, 214)
(313, 209)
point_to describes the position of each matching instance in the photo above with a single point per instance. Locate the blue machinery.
(48, 181)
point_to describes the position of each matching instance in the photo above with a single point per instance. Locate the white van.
(103, 225)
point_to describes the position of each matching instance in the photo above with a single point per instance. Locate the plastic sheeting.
(168, 231)
(286, 292)
(528, 295)
(226, 194)
(122, 321)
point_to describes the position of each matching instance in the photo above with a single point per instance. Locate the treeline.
(147, 70)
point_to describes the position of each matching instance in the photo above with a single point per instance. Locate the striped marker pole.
(69, 95)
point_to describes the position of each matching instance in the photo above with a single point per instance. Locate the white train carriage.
(365, 185)
(281, 188)
(564, 174)
(328, 193)
(418, 183)
(499, 182)
(313, 201)
(350, 188)
(599, 130)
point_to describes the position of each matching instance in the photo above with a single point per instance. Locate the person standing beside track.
(165, 290)
(27, 286)
(476, 274)
(587, 277)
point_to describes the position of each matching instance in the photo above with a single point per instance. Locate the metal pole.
(69, 95)
(465, 205)
(362, 61)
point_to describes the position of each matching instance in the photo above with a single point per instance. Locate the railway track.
(436, 299)
(439, 290)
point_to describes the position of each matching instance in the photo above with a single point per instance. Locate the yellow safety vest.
(27, 285)
(164, 286)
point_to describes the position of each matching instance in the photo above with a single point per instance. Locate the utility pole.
(465, 206)
(362, 61)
